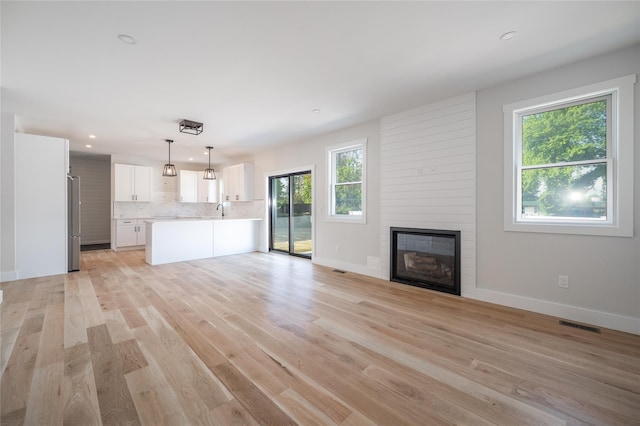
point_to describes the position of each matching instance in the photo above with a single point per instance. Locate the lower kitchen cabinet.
(130, 233)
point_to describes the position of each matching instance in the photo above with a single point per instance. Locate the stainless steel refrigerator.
(73, 198)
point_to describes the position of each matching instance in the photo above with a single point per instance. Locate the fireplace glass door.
(426, 258)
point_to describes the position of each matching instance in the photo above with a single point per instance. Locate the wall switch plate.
(563, 281)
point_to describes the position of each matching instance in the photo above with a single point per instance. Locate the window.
(569, 161)
(347, 177)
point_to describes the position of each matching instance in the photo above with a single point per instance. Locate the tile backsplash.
(165, 204)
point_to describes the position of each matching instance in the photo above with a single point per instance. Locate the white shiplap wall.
(428, 175)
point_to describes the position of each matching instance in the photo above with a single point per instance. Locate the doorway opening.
(290, 211)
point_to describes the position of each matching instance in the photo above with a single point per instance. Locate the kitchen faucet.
(220, 205)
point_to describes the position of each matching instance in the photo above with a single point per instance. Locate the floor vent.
(339, 271)
(580, 326)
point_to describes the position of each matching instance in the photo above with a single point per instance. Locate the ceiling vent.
(191, 127)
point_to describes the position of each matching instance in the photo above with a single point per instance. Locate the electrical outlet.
(563, 281)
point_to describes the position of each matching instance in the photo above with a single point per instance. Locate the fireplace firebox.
(428, 258)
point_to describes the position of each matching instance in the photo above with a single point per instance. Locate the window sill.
(573, 229)
(347, 219)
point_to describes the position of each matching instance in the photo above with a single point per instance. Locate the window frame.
(332, 151)
(619, 160)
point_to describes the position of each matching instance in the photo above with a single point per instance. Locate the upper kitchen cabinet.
(238, 182)
(188, 186)
(195, 189)
(132, 183)
(207, 189)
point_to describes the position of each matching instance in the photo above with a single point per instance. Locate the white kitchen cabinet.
(238, 182)
(207, 189)
(188, 186)
(195, 189)
(130, 232)
(132, 183)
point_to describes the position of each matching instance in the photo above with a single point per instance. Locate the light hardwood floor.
(270, 339)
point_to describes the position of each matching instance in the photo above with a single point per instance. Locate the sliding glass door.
(290, 200)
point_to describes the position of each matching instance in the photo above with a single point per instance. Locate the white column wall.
(428, 176)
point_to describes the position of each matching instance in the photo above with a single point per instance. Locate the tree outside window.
(347, 177)
(564, 161)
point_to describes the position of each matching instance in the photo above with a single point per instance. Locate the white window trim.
(622, 144)
(330, 150)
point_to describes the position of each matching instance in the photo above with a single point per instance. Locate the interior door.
(291, 214)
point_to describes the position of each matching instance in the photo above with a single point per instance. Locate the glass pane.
(574, 133)
(302, 214)
(349, 166)
(280, 213)
(566, 191)
(349, 199)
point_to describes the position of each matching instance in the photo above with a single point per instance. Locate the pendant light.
(169, 169)
(209, 174)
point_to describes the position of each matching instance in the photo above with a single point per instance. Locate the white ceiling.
(252, 72)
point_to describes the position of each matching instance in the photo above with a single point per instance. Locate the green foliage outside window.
(571, 134)
(348, 186)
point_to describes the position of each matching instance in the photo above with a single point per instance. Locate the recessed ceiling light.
(126, 38)
(92, 136)
(88, 146)
(508, 36)
(206, 153)
(190, 159)
(315, 110)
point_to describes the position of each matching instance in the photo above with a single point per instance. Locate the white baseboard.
(346, 266)
(8, 276)
(575, 313)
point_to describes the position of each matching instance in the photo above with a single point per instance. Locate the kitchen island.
(182, 239)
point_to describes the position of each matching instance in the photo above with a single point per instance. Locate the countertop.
(197, 218)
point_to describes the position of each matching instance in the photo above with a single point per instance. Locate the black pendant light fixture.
(169, 169)
(209, 173)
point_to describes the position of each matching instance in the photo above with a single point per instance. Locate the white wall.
(359, 243)
(521, 269)
(428, 176)
(7, 201)
(41, 165)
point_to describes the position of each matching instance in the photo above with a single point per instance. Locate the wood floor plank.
(130, 356)
(116, 405)
(232, 413)
(267, 339)
(91, 309)
(75, 331)
(80, 395)
(302, 410)
(207, 386)
(18, 373)
(262, 408)
(13, 316)
(128, 310)
(185, 386)
(7, 342)
(51, 348)
(119, 330)
(200, 345)
(45, 404)
(154, 399)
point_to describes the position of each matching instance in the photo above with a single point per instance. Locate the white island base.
(180, 240)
